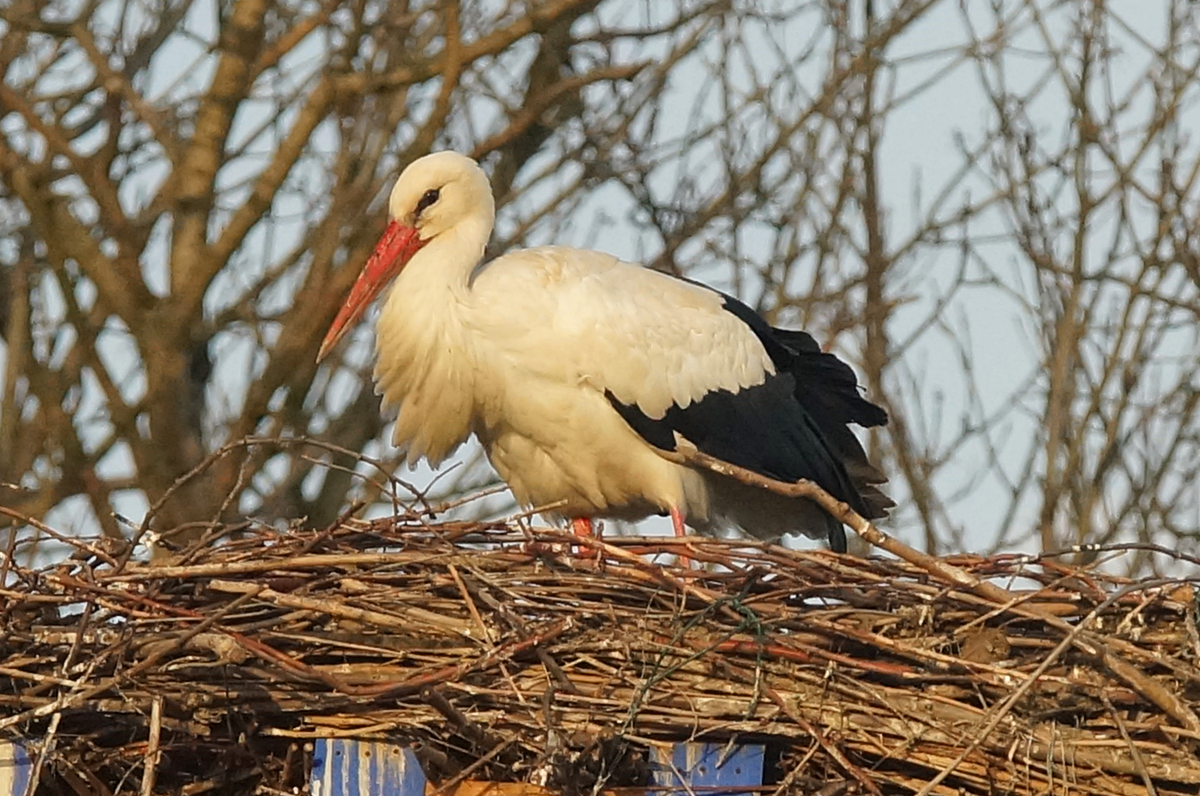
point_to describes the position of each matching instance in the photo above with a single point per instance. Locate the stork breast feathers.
(647, 339)
(431, 382)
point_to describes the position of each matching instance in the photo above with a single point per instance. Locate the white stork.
(577, 370)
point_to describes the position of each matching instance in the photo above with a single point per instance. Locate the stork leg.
(583, 527)
(677, 524)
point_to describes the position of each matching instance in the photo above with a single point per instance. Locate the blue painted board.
(708, 765)
(345, 767)
(16, 769)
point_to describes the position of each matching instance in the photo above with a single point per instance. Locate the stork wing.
(677, 357)
(650, 340)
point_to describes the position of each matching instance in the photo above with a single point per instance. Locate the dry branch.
(505, 657)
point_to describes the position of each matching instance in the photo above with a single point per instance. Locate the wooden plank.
(345, 767)
(478, 787)
(707, 765)
(15, 769)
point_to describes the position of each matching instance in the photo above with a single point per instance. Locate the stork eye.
(429, 198)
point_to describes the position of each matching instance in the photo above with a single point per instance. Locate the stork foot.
(677, 524)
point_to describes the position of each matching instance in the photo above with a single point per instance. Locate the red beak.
(397, 246)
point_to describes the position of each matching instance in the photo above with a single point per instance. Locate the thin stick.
(1134, 753)
(150, 761)
(483, 760)
(49, 741)
(983, 733)
(688, 454)
(822, 741)
(485, 634)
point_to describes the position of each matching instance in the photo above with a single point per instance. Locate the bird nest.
(499, 653)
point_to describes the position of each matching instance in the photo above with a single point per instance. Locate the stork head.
(438, 197)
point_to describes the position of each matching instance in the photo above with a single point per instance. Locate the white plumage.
(576, 369)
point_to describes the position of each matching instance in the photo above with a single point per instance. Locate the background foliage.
(188, 188)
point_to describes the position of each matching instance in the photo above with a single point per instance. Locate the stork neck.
(450, 257)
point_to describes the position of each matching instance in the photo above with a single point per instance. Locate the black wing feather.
(792, 426)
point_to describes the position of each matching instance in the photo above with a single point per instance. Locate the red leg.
(677, 524)
(583, 527)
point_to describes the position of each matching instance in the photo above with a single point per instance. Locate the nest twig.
(500, 654)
